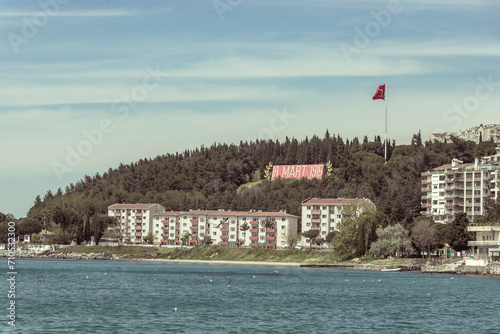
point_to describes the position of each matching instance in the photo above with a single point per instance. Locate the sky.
(87, 85)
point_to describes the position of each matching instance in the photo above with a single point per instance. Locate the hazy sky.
(86, 85)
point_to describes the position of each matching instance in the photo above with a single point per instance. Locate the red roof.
(332, 201)
(130, 206)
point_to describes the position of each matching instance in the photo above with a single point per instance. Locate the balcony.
(164, 220)
(224, 229)
(254, 237)
(164, 241)
(271, 245)
(271, 238)
(194, 220)
(138, 221)
(118, 214)
(138, 234)
(253, 222)
(254, 244)
(193, 241)
(193, 227)
(425, 190)
(138, 214)
(223, 243)
(225, 236)
(315, 220)
(138, 228)
(484, 243)
(315, 212)
(271, 230)
(254, 230)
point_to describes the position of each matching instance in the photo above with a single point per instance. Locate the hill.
(209, 178)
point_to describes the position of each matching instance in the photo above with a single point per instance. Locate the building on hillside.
(224, 228)
(135, 220)
(477, 134)
(440, 137)
(487, 240)
(324, 214)
(457, 187)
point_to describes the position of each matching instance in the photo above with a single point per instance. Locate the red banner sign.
(297, 172)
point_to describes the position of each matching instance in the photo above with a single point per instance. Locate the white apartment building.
(458, 187)
(224, 228)
(324, 214)
(135, 220)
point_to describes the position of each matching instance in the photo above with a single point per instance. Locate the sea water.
(64, 296)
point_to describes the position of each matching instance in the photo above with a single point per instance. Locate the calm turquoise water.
(56, 297)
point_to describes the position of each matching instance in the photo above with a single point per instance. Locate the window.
(215, 233)
(339, 216)
(171, 235)
(332, 228)
(477, 183)
(441, 193)
(157, 218)
(185, 217)
(172, 220)
(202, 227)
(233, 221)
(332, 220)
(283, 219)
(156, 232)
(231, 236)
(308, 224)
(263, 230)
(308, 207)
(233, 229)
(202, 220)
(171, 227)
(184, 224)
(157, 225)
(323, 216)
(308, 216)
(435, 202)
(202, 234)
(477, 192)
(283, 227)
(244, 218)
(323, 224)
(261, 237)
(323, 233)
(324, 208)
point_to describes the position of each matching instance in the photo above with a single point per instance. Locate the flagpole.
(385, 138)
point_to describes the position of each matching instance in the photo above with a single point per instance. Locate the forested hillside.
(208, 177)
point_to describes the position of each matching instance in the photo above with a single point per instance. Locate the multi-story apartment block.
(135, 220)
(324, 214)
(225, 228)
(457, 187)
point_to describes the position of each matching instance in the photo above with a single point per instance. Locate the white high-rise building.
(458, 187)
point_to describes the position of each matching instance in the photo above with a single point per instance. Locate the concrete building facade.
(135, 220)
(457, 187)
(324, 214)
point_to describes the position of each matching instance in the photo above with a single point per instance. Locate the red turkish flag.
(380, 93)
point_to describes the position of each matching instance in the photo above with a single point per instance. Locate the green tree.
(244, 228)
(311, 235)
(459, 235)
(149, 238)
(354, 231)
(393, 241)
(424, 235)
(28, 226)
(208, 240)
(185, 237)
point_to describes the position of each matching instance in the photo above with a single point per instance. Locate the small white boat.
(390, 269)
